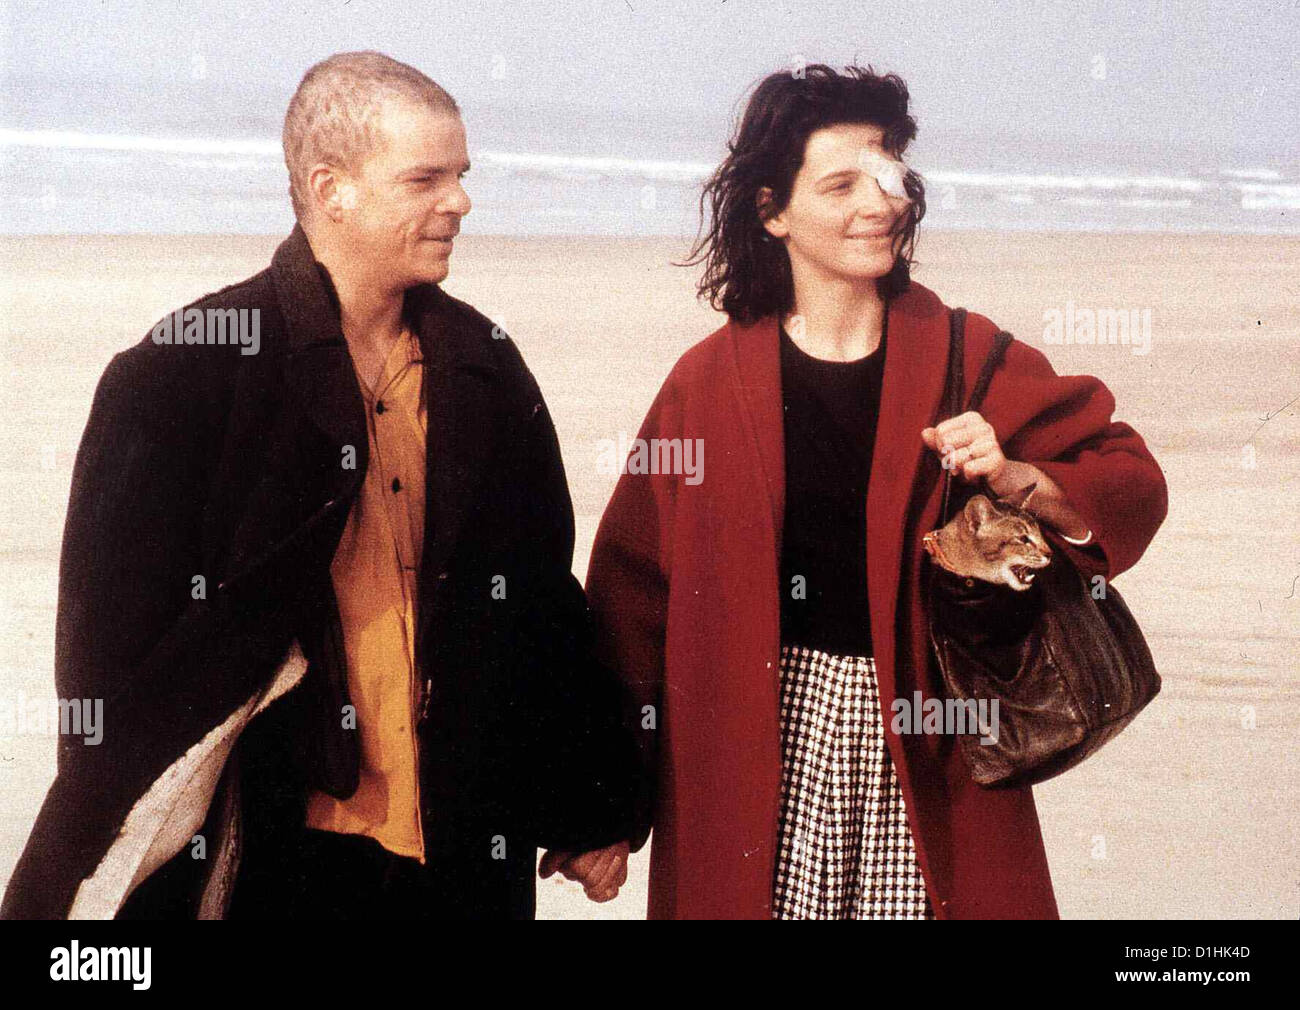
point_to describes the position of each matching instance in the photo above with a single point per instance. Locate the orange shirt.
(374, 576)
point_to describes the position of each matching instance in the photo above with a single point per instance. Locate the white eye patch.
(887, 172)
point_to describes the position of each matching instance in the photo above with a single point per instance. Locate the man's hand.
(601, 872)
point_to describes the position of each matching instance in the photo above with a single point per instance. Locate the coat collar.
(916, 361)
(460, 372)
(320, 376)
(313, 319)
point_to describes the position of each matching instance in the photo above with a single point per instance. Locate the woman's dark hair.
(747, 273)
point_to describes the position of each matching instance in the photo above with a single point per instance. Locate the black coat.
(202, 460)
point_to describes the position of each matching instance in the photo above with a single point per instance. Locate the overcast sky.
(1186, 74)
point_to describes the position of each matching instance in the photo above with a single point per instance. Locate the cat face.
(998, 542)
(1007, 540)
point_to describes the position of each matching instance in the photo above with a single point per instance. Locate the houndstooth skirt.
(845, 849)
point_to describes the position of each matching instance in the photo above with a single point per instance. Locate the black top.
(830, 427)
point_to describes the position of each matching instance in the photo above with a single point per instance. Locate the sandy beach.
(1191, 813)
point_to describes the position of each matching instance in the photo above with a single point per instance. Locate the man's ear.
(772, 221)
(333, 193)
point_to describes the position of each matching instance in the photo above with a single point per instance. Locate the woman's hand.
(968, 445)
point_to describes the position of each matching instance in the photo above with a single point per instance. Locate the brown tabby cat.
(998, 542)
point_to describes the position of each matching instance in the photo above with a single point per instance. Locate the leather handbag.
(1065, 661)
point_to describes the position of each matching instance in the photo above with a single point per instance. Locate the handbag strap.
(956, 382)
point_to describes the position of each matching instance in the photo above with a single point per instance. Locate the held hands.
(601, 872)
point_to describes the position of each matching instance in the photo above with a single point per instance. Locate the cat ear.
(1020, 499)
(977, 510)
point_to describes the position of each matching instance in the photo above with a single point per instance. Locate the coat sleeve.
(1063, 425)
(130, 549)
(627, 586)
(132, 536)
(586, 769)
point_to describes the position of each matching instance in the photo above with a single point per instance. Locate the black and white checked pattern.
(845, 849)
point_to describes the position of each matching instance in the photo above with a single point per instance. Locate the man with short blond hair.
(333, 117)
(326, 587)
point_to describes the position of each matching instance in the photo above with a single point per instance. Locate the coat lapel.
(321, 378)
(321, 387)
(916, 360)
(756, 360)
(463, 403)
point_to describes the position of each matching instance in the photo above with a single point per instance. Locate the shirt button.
(379, 407)
(397, 485)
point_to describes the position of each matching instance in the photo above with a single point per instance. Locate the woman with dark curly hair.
(767, 613)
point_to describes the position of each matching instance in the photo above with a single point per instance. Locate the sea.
(177, 162)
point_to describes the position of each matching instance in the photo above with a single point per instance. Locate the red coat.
(684, 578)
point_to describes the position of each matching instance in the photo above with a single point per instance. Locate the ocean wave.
(572, 166)
(72, 140)
(1255, 181)
(997, 180)
(1258, 174)
(64, 168)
